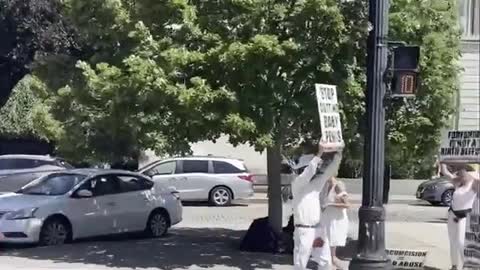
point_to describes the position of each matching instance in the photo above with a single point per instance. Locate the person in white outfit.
(334, 219)
(306, 190)
(466, 190)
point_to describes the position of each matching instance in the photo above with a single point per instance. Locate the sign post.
(463, 147)
(330, 121)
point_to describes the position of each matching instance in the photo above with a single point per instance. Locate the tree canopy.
(135, 91)
(414, 126)
(161, 75)
(29, 28)
(26, 116)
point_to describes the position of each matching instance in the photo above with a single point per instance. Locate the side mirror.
(83, 193)
(149, 173)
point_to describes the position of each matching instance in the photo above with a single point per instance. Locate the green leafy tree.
(135, 90)
(414, 126)
(164, 74)
(25, 115)
(270, 54)
(29, 28)
(161, 75)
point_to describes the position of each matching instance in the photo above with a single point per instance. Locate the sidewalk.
(203, 248)
(430, 235)
(260, 197)
(432, 238)
(209, 237)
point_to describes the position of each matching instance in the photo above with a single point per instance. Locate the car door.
(96, 215)
(193, 179)
(136, 202)
(169, 173)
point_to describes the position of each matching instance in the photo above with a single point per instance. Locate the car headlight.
(432, 187)
(21, 214)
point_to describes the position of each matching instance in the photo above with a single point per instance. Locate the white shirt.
(463, 197)
(306, 191)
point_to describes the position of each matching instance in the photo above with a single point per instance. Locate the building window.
(470, 18)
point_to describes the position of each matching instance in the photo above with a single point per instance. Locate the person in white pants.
(466, 190)
(334, 221)
(306, 190)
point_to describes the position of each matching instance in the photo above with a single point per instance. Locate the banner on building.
(329, 112)
(407, 259)
(461, 147)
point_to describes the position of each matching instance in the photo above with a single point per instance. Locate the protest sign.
(461, 147)
(329, 115)
(407, 259)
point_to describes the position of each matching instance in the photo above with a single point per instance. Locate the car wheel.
(447, 197)
(220, 196)
(54, 232)
(157, 225)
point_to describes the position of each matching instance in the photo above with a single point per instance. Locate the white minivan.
(213, 179)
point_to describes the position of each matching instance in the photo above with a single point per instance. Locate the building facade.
(468, 99)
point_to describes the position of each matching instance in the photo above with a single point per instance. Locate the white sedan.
(68, 205)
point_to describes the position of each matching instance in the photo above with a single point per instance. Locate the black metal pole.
(371, 253)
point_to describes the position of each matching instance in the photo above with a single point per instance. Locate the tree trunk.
(274, 159)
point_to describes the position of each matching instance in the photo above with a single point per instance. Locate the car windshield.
(52, 185)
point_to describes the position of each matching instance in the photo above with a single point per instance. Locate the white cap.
(303, 161)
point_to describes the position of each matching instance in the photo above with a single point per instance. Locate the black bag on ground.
(260, 237)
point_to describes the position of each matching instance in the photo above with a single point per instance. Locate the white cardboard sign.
(329, 113)
(461, 147)
(407, 259)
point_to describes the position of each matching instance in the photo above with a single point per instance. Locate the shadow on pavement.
(237, 203)
(181, 249)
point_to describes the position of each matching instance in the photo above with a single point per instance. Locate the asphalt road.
(354, 186)
(400, 209)
(207, 238)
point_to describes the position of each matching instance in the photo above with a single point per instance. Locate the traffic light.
(405, 71)
(405, 83)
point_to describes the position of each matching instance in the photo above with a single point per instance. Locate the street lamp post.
(371, 252)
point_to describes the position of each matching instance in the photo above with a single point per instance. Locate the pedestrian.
(467, 186)
(334, 221)
(306, 189)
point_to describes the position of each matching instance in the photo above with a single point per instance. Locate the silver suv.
(213, 179)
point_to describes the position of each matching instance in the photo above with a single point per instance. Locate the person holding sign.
(314, 171)
(467, 186)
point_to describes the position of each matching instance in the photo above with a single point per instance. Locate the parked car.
(67, 205)
(19, 170)
(213, 179)
(437, 191)
(11, 164)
